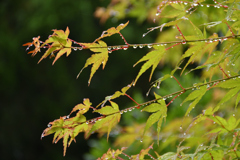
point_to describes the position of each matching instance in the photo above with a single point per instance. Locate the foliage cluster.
(198, 38)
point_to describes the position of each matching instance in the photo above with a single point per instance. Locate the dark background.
(34, 94)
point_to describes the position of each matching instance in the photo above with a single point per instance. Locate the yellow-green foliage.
(205, 33)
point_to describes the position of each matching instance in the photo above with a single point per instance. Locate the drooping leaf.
(229, 95)
(101, 57)
(153, 58)
(108, 121)
(196, 96)
(63, 51)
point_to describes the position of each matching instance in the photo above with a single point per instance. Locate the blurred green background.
(34, 94)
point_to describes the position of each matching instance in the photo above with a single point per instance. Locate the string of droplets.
(150, 45)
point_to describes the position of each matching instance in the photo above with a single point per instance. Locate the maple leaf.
(112, 31)
(59, 43)
(152, 58)
(101, 57)
(36, 43)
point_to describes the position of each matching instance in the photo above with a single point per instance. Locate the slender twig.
(132, 100)
(178, 83)
(230, 28)
(223, 71)
(181, 32)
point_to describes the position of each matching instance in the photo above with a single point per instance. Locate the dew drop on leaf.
(109, 48)
(233, 115)
(208, 6)
(141, 140)
(49, 125)
(180, 127)
(75, 48)
(135, 46)
(149, 46)
(141, 46)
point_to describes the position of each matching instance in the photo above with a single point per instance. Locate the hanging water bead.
(141, 46)
(109, 48)
(149, 46)
(75, 48)
(135, 46)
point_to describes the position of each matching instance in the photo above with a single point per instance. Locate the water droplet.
(208, 6)
(114, 47)
(201, 5)
(208, 85)
(118, 47)
(184, 42)
(135, 46)
(49, 125)
(121, 112)
(80, 48)
(214, 122)
(157, 14)
(109, 51)
(125, 48)
(201, 145)
(195, 4)
(158, 87)
(164, 99)
(185, 3)
(184, 134)
(141, 140)
(75, 48)
(109, 48)
(233, 115)
(67, 116)
(141, 46)
(149, 46)
(130, 109)
(125, 111)
(187, 11)
(233, 64)
(87, 122)
(180, 127)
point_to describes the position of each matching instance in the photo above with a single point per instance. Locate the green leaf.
(153, 58)
(152, 107)
(108, 121)
(196, 96)
(101, 57)
(229, 95)
(107, 110)
(230, 83)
